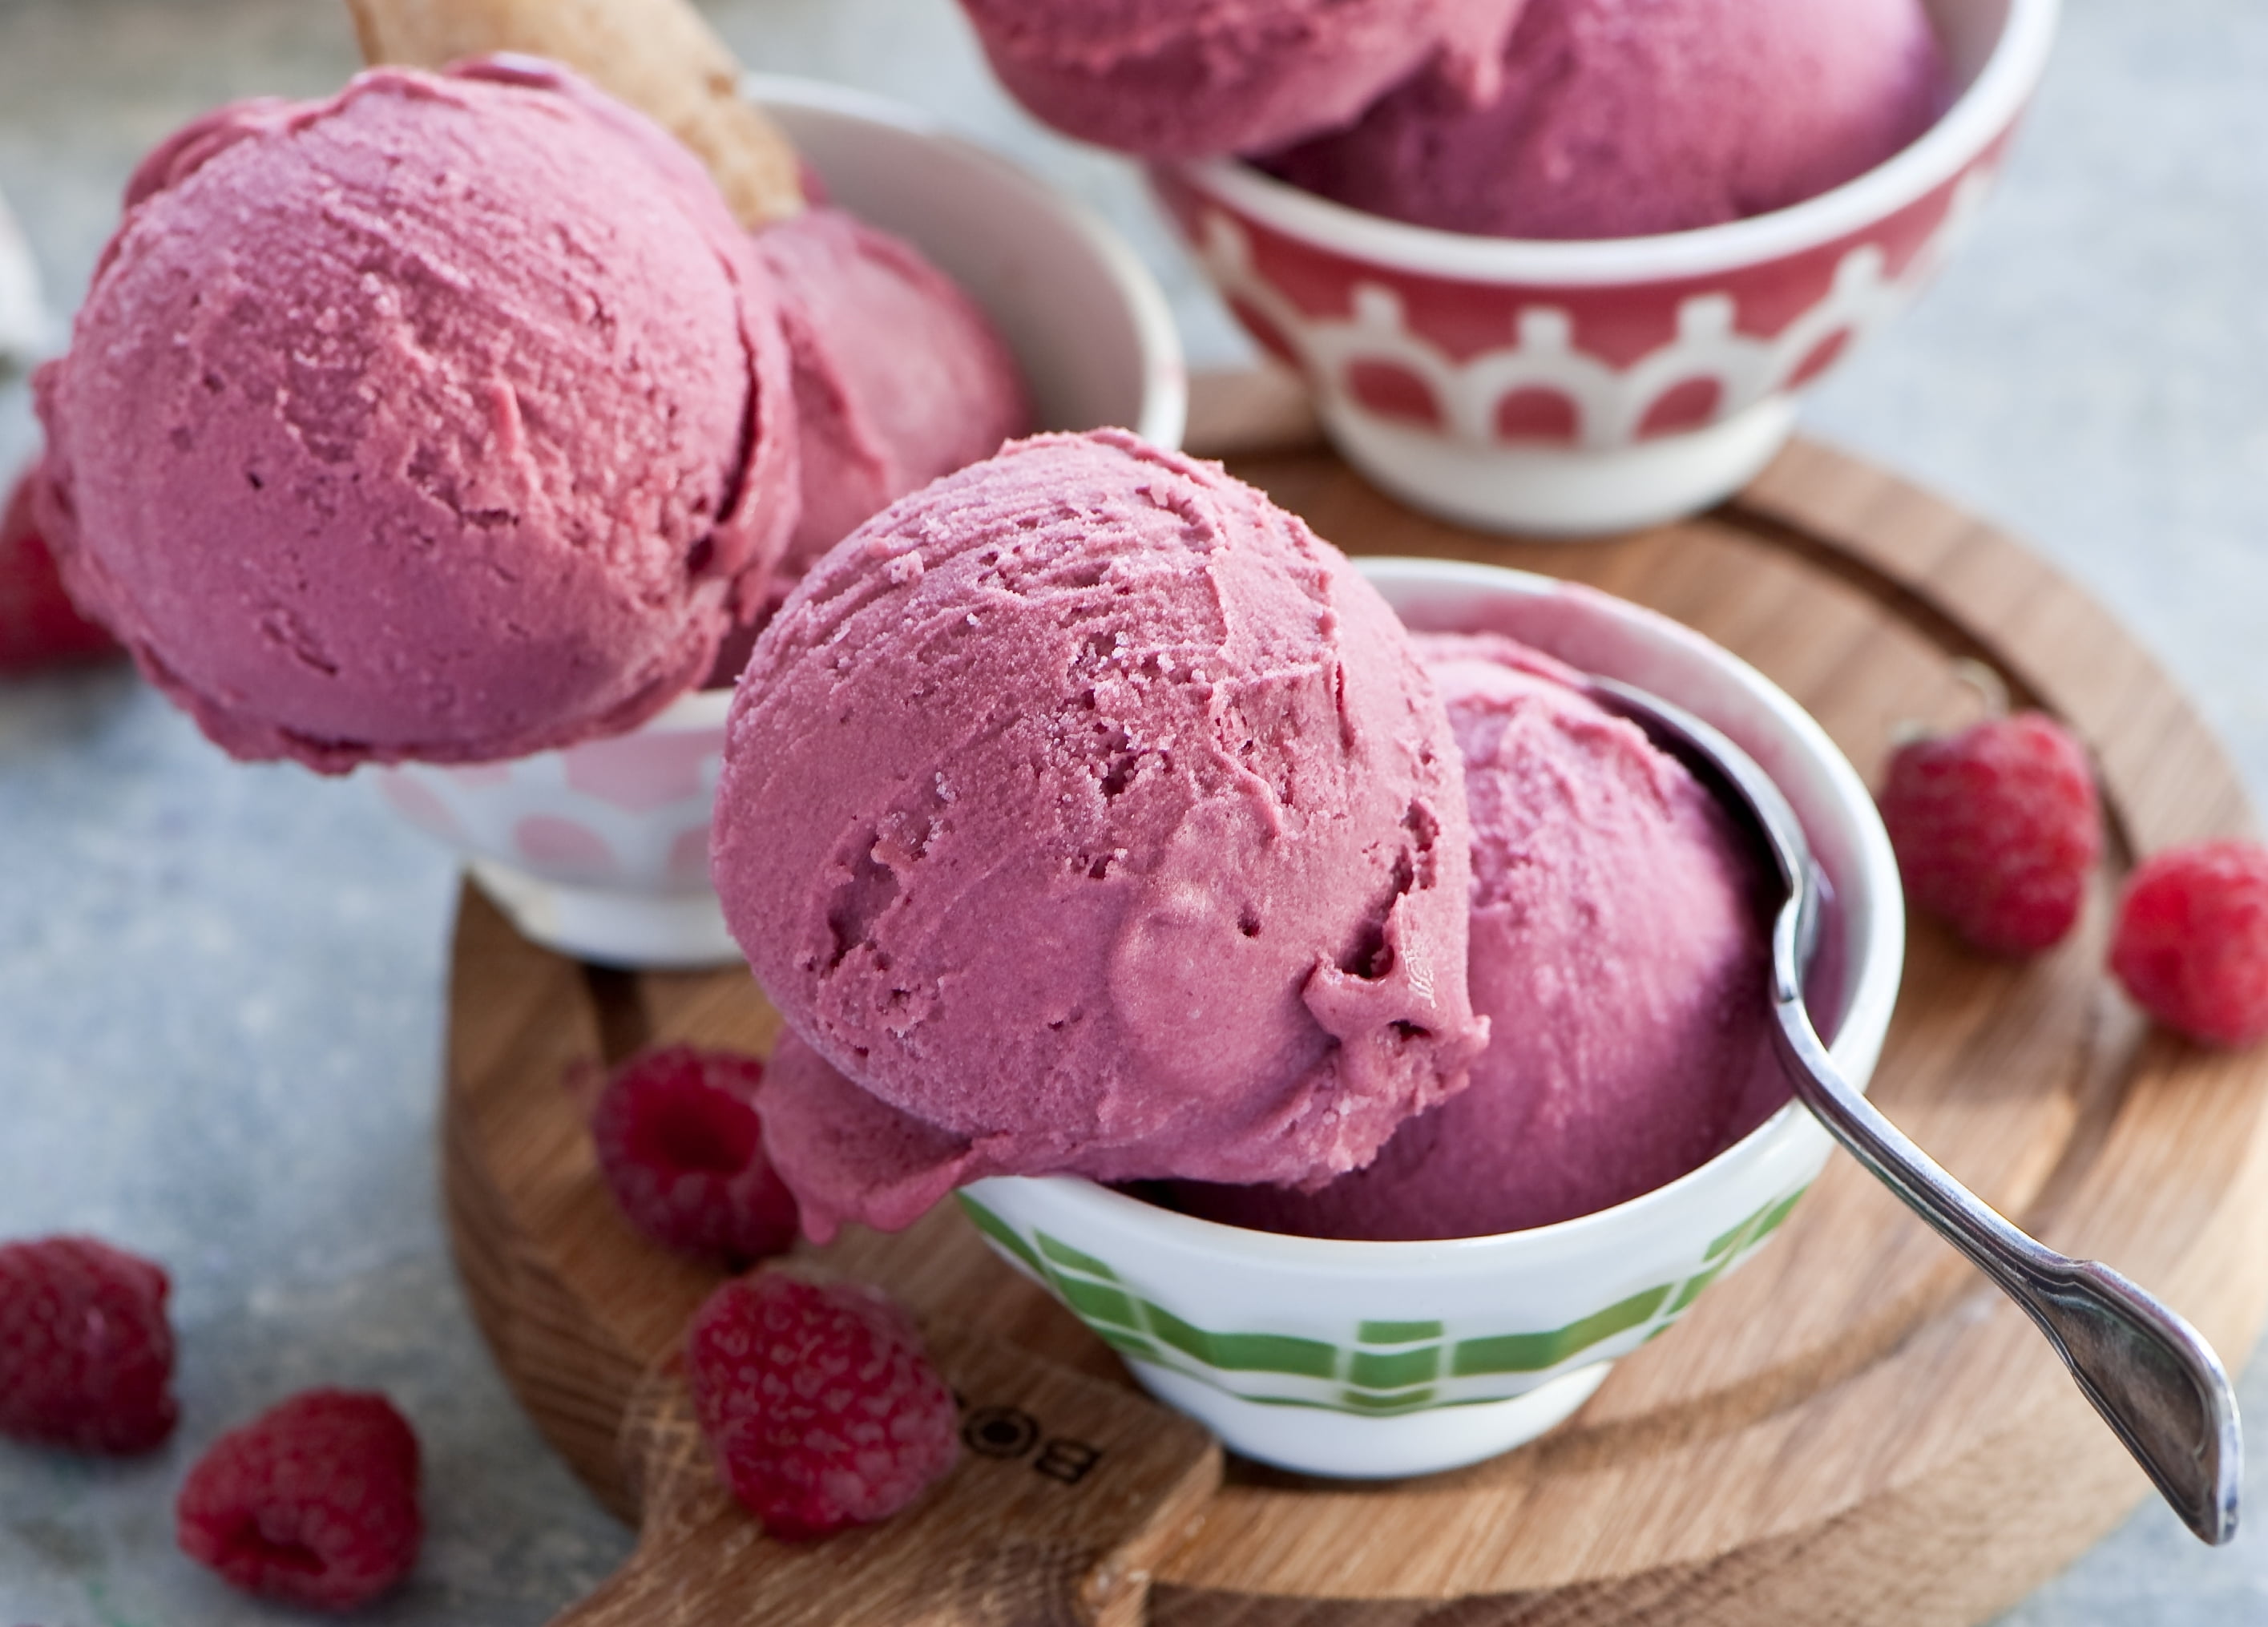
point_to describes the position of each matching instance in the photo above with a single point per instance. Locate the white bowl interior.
(1087, 321)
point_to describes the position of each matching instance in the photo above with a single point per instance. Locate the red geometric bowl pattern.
(1597, 366)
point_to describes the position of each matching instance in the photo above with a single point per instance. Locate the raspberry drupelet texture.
(40, 624)
(1996, 829)
(2191, 942)
(819, 1401)
(86, 1353)
(314, 1502)
(681, 1147)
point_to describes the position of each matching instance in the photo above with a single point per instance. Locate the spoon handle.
(2154, 1381)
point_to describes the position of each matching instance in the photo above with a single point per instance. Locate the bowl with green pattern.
(1366, 1360)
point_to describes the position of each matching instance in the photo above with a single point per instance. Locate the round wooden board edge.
(1704, 1593)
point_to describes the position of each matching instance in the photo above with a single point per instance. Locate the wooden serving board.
(1854, 1429)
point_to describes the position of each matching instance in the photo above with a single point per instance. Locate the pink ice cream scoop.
(1086, 809)
(849, 1155)
(448, 419)
(1619, 953)
(1618, 118)
(899, 376)
(1186, 79)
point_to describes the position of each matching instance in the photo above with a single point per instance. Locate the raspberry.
(819, 1401)
(40, 626)
(86, 1355)
(1995, 829)
(314, 1502)
(681, 1149)
(2191, 942)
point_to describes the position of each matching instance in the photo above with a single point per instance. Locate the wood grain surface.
(1854, 1428)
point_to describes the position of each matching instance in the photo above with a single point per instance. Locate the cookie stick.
(658, 56)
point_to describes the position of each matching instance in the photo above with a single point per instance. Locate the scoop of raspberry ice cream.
(1618, 118)
(1619, 953)
(899, 376)
(1186, 78)
(447, 419)
(1085, 807)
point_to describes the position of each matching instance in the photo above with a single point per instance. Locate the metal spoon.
(2154, 1381)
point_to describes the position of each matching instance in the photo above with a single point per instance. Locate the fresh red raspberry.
(681, 1149)
(314, 1502)
(1995, 829)
(40, 626)
(86, 1355)
(2191, 942)
(819, 1400)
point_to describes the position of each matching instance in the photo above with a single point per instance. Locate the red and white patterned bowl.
(1582, 387)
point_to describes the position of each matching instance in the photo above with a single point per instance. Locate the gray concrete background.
(220, 986)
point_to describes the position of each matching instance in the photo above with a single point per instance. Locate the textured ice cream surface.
(447, 419)
(899, 376)
(1619, 951)
(852, 1155)
(1188, 78)
(1086, 808)
(1618, 118)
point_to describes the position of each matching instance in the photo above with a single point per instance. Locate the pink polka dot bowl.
(601, 851)
(1576, 388)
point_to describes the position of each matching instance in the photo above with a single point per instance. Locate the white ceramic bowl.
(1587, 388)
(601, 851)
(23, 319)
(1379, 1359)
